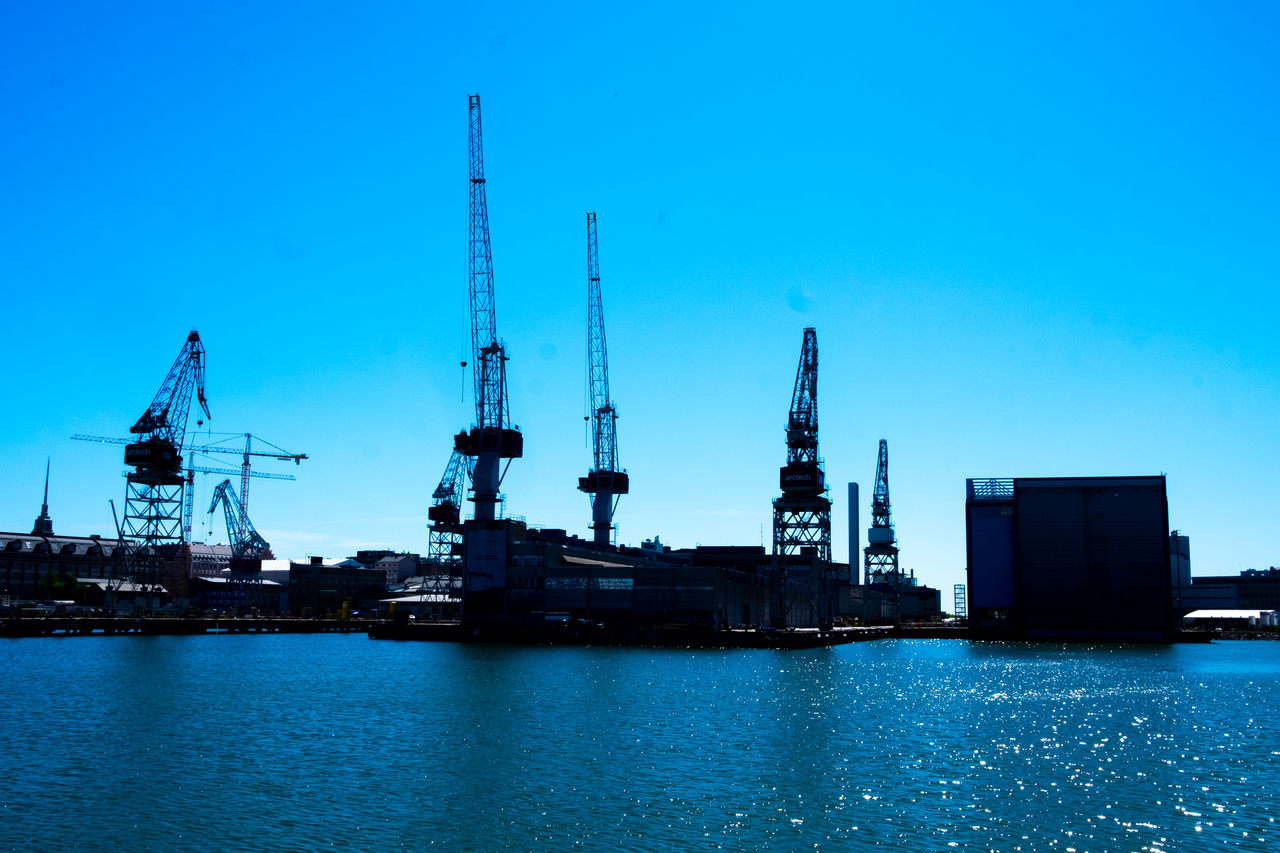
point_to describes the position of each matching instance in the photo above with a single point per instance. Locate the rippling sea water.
(340, 742)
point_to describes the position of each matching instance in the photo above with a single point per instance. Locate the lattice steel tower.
(153, 493)
(604, 481)
(444, 536)
(490, 439)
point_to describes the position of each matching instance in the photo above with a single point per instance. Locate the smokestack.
(854, 540)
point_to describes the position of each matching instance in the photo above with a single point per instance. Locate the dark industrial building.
(521, 579)
(1069, 558)
(319, 589)
(1252, 589)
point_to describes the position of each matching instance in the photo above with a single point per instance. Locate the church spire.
(44, 524)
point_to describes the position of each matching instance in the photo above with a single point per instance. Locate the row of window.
(43, 547)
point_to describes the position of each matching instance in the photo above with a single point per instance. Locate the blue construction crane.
(245, 541)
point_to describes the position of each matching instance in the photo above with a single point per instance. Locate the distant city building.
(397, 567)
(26, 559)
(1078, 557)
(519, 578)
(209, 561)
(323, 588)
(1254, 589)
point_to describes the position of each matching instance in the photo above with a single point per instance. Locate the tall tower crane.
(153, 495)
(881, 554)
(245, 540)
(802, 515)
(604, 480)
(491, 439)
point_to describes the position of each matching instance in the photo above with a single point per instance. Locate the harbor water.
(307, 742)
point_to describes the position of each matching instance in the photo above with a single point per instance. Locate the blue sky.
(1034, 241)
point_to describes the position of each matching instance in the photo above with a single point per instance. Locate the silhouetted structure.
(881, 556)
(246, 542)
(44, 524)
(317, 588)
(491, 439)
(444, 535)
(804, 588)
(604, 481)
(1255, 589)
(1083, 557)
(153, 499)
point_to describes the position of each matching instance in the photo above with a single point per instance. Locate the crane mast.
(490, 440)
(604, 481)
(881, 554)
(153, 496)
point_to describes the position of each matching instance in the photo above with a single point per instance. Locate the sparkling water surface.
(290, 742)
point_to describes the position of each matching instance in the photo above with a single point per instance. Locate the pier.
(76, 626)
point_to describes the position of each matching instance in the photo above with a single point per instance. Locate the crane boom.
(802, 421)
(166, 417)
(489, 395)
(880, 510)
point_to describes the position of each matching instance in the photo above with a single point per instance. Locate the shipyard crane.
(246, 542)
(273, 452)
(881, 554)
(190, 471)
(491, 439)
(153, 494)
(445, 513)
(802, 514)
(605, 482)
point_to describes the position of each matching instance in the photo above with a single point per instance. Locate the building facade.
(1081, 557)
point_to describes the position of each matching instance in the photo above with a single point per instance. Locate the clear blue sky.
(1034, 241)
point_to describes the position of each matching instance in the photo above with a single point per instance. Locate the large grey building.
(1077, 557)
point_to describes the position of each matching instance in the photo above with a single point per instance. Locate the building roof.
(423, 598)
(586, 561)
(225, 579)
(28, 542)
(1226, 614)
